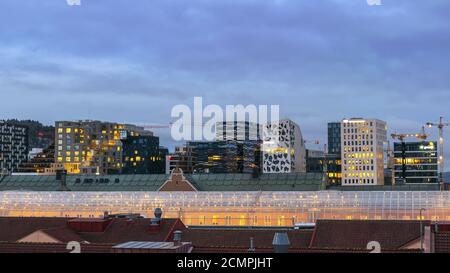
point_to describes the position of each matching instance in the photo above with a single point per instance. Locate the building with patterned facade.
(283, 148)
(13, 146)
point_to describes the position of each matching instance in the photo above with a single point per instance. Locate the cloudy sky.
(320, 60)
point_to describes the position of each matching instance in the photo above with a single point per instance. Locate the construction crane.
(402, 137)
(441, 160)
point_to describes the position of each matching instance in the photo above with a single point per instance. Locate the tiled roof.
(356, 234)
(6, 247)
(239, 240)
(122, 230)
(119, 231)
(15, 228)
(329, 236)
(63, 234)
(152, 182)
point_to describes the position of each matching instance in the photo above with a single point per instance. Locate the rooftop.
(123, 235)
(152, 182)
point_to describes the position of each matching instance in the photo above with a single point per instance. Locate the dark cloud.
(133, 60)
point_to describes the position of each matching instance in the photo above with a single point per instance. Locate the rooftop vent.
(158, 213)
(281, 242)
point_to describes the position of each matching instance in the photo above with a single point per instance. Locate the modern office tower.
(333, 157)
(238, 131)
(416, 162)
(362, 142)
(143, 155)
(92, 147)
(181, 158)
(225, 156)
(283, 148)
(314, 161)
(334, 138)
(13, 146)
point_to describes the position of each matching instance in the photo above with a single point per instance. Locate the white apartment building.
(362, 142)
(283, 148)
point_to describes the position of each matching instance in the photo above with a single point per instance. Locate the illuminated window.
(242, 220)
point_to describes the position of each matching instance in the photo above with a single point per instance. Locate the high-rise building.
(333, 157)
(143, 155)
(92, 147)
(416, 162)
(13, 146)
(238, 131)
(225, 156)
(362, 151)
(334, 138)
(283, 148)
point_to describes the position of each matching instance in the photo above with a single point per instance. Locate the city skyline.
(133, 63)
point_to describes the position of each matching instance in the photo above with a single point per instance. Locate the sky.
(320, 60)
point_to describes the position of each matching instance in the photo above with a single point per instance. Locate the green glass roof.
(203, 182)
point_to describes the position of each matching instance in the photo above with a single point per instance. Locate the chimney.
(281, 242)
(158, 213)
(155, 223)
(177, 235)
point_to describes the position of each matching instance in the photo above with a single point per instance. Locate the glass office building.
(225, 156)
(416, 162)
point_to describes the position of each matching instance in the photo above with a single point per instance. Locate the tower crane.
(402, 137)
(441, 160)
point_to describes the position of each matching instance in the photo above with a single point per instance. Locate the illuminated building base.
(233, 208)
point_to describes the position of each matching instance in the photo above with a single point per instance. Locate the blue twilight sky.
(320, 60)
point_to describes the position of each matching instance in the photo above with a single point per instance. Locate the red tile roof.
(15, 228)
(230, 240)
(123, 230)
(355, 234)
(120, 230)
(6, 247)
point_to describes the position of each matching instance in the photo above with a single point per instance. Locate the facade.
(314, 161)
(13, 146)
(283, 148)
(225, 156)
(282, 209)
(92, 147)
(362, 142)
(334, 169)
(181, 158)
(416, 162)
(40, 162)
(238, 131)
(334, 138)
(143, 155)
(333, 158)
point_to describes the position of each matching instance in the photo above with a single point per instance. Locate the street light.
(421, 228)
